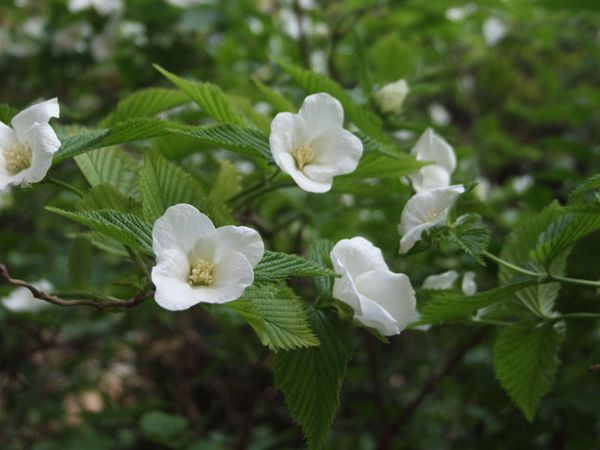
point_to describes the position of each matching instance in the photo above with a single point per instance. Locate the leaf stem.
(65, 185)
(576, 316)
(576, 281)
(511, 266)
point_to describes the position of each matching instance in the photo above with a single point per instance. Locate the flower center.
(431, 215)
(201, 273)
(18, 157)
(303, 155)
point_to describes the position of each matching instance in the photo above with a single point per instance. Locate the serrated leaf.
(274, 98)
(279, 266)
(145, 103)
(110, 166)
(104, 196)
(319, 253)
(163, 184)
(442, 305)
(591, 184)
(525, 362)
(227, 184)
(245, 141)
(123, 227)
(562, 234)
(209, 97)
(277, 316)
(163, 428)
(314, 82)
(80, 262)
(381, 166)
(470, 235)
(311, 379)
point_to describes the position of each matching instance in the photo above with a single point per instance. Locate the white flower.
(494, 31)
(431, 147)
(425, 210)
(22, 300)
(26, 149)
(381, 299)
(312, 146)
(198, 263)
(439, 114)
(522, 183)
(103, 7)
(469, 286)
(390, 97)
(443, 280)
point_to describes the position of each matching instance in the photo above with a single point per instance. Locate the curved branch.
(100, 303)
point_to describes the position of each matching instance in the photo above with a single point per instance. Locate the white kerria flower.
(312, 146)
(390, 97)
(469, 286)
(425, 210)
(198, 263)
(380, 298)
(102, 7)
(26, 149)
(22, 300)
(431, 147)
(443, 280)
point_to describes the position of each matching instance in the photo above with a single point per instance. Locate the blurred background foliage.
(513, 85)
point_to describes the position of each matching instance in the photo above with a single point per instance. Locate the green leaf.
(278, 266)
(123, 227)
(526, 360)
(104, 196)
(209, 97)
(7, 113)
(374, 165)
(245, 141)
(227, 184)
(164, 184)
(442, 305)
(275, 99)
(562, 234)
(319, 252)
(145, 103)
(277, 316)
(591, 184)
(470, 235)
(80, 262)
(311, 379)
(313, 82)
(110, 166)
(163, 428)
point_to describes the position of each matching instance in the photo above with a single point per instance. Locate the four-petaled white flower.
(312, 146)
(198, 263)
(431, 147)
(26, 149)
(380, 298)
(425, 210)
(390, 97)
(22, 300)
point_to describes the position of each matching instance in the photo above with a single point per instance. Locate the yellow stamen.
(17, 157)
(201, 273)
(303, 155)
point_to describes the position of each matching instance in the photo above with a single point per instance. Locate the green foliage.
(279, 266)
(164, 184)
(591, 184)
(163, 428)
(311, 379)
(442, 305)
(80, 262)
(277, 315)
(278, 101)
(471, 235)
(123, 227)
(6, 113)
(105, 196)
(209, 97)
(319, 253)
(145, 103)
(227, 183)
(526, 361)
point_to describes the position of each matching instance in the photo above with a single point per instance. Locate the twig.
(100, 303)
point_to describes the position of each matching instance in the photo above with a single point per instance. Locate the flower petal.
(173, 291)
(240, 239)
(288, 165)
(431, 147)
(181, 227)
(38, 113)
(288, 131)
(469, 286)
(390, 292)
(337, 152)
(430, 177)
(443, 280)
(357, 255)
(43, 142)
(321, 111)
(7, 136)
(232, 274)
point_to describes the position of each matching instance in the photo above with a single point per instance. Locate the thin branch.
(100, 303)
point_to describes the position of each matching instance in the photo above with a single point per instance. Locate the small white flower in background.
(483, 189)
(433, 148)
(390, 97)
(187, 3)
(198, 263)
(380, 298)
(72, 38)
(26, 149)
(439, 114)
(494, 31)
(312, 146)
(522, 183)
(22, 300)
(425, 210)
(443, 280)
(469, 286)
(102, 7)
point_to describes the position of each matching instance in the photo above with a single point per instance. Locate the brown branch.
(429, 387)
(95, 301)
